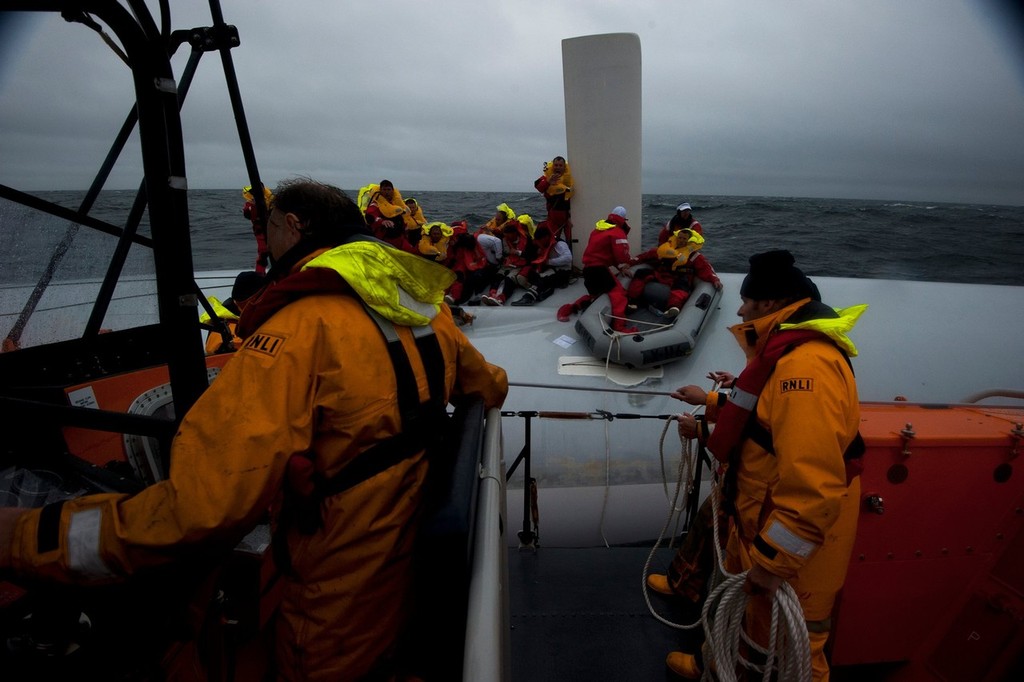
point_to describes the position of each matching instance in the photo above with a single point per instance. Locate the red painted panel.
(952, 515)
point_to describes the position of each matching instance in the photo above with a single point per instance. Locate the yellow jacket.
(312, 380)
(797, 517)
(436, 250)
(214, 340)
(395, 208)
(417, 213)
(564, 186)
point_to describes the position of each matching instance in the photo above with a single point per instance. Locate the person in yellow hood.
(434, 241)
(311, 398)
(415, 211)
(503, 213)
(391, 206)
(789, 484)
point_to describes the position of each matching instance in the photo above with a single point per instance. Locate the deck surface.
(579, 613)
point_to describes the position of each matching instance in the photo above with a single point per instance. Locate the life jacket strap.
(424, 426)
(423, 423)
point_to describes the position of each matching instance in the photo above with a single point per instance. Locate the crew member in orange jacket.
(796, 508)
(307, 391)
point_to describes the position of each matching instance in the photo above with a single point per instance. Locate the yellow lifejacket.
(394, 207)
(417, 214)
(218, 307)
(437, 250)
(366, 196)
(680, 247)
(268, 196)
(527, 222)
(564, 186)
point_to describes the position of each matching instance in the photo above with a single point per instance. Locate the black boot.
(529, 297)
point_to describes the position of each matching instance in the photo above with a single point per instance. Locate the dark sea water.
(971, 243)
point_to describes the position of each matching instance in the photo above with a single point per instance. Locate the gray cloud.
(909, 100)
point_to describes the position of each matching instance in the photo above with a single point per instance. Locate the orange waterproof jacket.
(314, 378)
(795, 509)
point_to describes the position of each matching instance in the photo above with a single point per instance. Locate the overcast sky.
(879, 99)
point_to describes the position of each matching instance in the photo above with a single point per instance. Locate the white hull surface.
(900, 355)
(575, 458)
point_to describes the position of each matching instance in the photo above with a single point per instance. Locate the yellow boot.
(684, 665)
(659, 583)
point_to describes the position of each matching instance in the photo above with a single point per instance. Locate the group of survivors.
(512, 252)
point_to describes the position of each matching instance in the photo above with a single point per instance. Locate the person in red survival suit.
(467, 260)
(607, 250)
(549, 266)
(556, 184)
(677, 265)
(514, 241)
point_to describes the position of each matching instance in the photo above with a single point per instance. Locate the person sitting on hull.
(472, 271)
(549, 266)
(503, 212)
(433, 242)
(329, 437)
(607, 251)
(390, 231)
(515, 241)
(679, 263)
(392, 206)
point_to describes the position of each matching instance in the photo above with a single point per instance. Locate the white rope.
(789, 649)
(686, 463)
(651, 327)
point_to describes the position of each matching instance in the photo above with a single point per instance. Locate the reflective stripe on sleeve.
(789, 541)
(741, 398)
(84, 544)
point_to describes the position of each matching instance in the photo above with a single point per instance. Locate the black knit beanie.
(774, 276)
